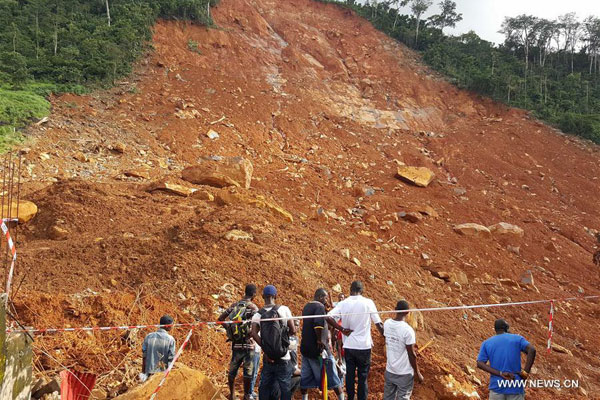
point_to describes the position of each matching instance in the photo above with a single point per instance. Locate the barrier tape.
(550, 325)
(213, 323)
(168, 371)
(13, 251)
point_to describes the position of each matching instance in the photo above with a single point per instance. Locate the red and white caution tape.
(197, 324)
(550, 325)
(13, 251)
(168, 371)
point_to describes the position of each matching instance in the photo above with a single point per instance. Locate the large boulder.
(419, 176)
(173, 188)
(227, 197)
(471, 229)
(183, 383)
(26, 211)
(505, 229)
(220, 172)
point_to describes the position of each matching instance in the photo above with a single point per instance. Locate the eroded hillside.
(325, 108)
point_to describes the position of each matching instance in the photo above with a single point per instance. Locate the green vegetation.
(53, 46)
(549, 67)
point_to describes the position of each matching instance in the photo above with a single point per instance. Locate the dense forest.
(551, 67)
(73, 45)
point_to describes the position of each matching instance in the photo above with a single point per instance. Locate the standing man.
(242, 345)
(357, 346)
(503, 351)
(158, 349)
(401, 369)
(274, 339)
(316, 350)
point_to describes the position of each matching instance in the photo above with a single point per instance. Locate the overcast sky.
(486, 16)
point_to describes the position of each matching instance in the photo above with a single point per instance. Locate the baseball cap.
(269, 290)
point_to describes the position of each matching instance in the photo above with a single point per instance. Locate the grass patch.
(17, 109)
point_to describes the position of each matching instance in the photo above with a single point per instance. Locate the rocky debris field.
(300, 147)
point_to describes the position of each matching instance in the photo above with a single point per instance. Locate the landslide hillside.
(325, 108)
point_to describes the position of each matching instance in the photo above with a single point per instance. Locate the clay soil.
(325, 107)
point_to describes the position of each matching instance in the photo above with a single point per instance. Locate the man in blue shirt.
(503, 352)
(158, 348)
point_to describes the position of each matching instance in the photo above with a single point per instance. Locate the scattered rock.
(412, 217)
(236, 234)
(560, 349)
(419, 176)
(509, 282)
(79, 156)
(459, 191)
(211, 134)
(58, 233)
(426, 261)
(172, 188)
(453, 389)
(345, 253)
(321, 215)
(504, 228)
(426, 209)
(203, 195)
(372, 220)
(337, 288)
(471, 229)
(142, 173)
(356, 261)
(514, 249)
(119, 147)
(25, 212)
(220, 172)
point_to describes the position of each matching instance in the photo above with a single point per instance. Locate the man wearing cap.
(158, 349)
(273, 337)
(500, 356)
(357, 314)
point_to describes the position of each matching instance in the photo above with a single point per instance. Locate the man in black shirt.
(316, 350)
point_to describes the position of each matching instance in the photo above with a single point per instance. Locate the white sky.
(485, 16)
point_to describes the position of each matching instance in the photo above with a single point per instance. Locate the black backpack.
(239, 331)
(274, 334)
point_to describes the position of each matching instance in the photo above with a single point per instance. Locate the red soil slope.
(324, 106)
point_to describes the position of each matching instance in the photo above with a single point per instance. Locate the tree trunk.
(417, 35)
(108, 12)
(37, 35)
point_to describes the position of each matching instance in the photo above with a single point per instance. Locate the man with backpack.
(242, 345)
(274, 339)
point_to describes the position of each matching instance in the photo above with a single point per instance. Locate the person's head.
(501, 326)
(250, 291)
(356, 288)
(402, 308)
(341, 296)
(321, 296)
(166, 320)
(269, 294)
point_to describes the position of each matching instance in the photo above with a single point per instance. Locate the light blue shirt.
(159, 351)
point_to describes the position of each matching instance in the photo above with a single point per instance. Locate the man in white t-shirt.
(357, 313)
(401, 368)
(273, 338)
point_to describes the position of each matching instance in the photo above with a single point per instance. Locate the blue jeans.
(255, 364)
(272, 373)
(358, 362)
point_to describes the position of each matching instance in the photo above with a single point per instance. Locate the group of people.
(335, 345)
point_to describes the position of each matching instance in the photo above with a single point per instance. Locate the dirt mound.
(183, 384)
(326, 109)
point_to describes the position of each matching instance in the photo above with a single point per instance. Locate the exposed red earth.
(325, 108)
